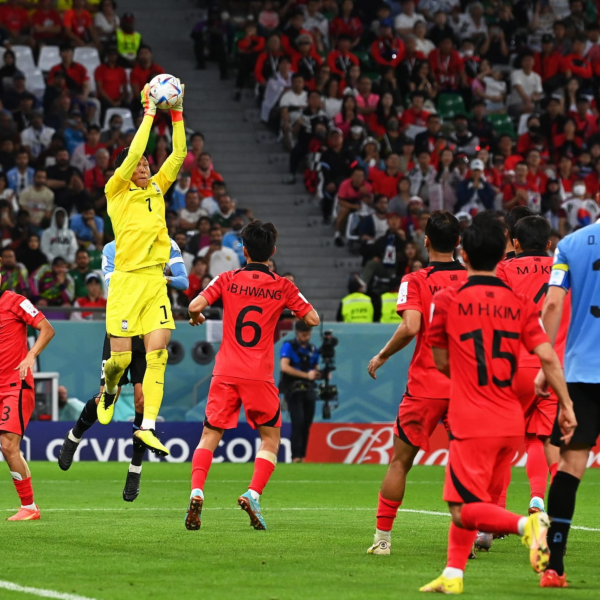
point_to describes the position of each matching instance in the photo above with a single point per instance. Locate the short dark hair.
(82, 251)
(259, 240)
(121, 157)
(58, 260)
(514, 216)
(93, 128)
(443, 231)
(7, 249)
(297, 76)
(533, 233)
(484, 243)
(301, 326)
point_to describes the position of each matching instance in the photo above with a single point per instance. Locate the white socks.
(522, 522)
(73, 438)
(255, 495)
(383, 535)
(29, 506)
(148, 424)
(452, 573)
(135, 469)
(113, 391)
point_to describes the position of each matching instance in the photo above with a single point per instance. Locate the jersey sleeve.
(108, 262)
(213, 291)
(409, 295)
(122, 176)
(559, 276)
(532, 334)
(179, 278)
(26, 312)
(296, 302)
(286, 350)
(501, 272)
(168, 172)
(437, 336)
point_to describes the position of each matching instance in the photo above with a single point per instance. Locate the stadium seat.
(125, 114)
(89, 58)
(450, 105)
(49, 57)
(502, 124)
(24, 58)
(35, 83)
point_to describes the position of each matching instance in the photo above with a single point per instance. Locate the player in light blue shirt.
(576, 268)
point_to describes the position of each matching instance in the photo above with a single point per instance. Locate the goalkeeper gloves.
(148, 102)
(177, 108)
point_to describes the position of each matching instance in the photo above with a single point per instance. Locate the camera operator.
(299, 370)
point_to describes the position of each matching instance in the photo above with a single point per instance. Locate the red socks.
(24, 490)
(201, 462)
(502, 499)
(386, 513)
(537, 466)
(482, 516)
(263, 469)
(460, 542)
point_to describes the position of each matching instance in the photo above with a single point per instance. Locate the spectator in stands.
(353, 193)
(112, 137)
(219, 259)
(233, 238)
(143, 71)
(291, 104)
(92, 299)
(8, 68)
(202, 238)
(46, 24)
(24, 112)
(94, 179)
(422, 176)
(79, 26)
(11, 99)
(59, 178)
(128, 41)
(426, 139)
(267, 63)
(367, 102)
(405, 21)
(14, 19)
(203, 176)
(226, 213)
(248, 50)
(181, 240)
(387, 50)
(111, 82)
(415, 115)
(386, 182)
(342, 59)
(211, 203)
(475, 194)
(194, 151)
(576, 22)
(369, 157)
(58, 239)
(292, 31)
(447, 67)
(80, 271)
(21, 175)
(479, 125)
(196, 275)
(348, 113)
(84, 155)
(316, 24)
(373, 226)
(106, 22)
(334, 168)
(306, 61)
(526, 87)
(585, 122)
(399, 201)
(29, 253)
(88, 227)
(356, 307)
(268, 18)
(522, 192)
(189, 216)
(7, 222)
(547, 64)
(37, 137)
(51, 285)
(179, 190)
(77, 79)
(464, 140)
(13, 275)
(347, 24)
(441, 29)
(568, 143)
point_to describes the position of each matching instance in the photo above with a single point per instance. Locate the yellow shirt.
(138, 214)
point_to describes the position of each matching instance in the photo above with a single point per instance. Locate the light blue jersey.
(179, 277)
(577, 268)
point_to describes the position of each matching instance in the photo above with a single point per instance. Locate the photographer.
(299, 370)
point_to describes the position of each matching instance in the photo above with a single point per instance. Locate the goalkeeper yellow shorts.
(138, 302)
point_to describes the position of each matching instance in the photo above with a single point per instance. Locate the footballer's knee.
(157, 359)
(455, 513)
(11, 446)
(117, 363)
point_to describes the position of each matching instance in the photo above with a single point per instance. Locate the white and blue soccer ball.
(165, 90)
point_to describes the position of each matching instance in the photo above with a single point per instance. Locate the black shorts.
(586, 404)
(136, 369)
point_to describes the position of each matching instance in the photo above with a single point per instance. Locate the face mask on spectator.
(579, 190)
(356, 130)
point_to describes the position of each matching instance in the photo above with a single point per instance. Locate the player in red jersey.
(17, 394)
(253, 300)
(476, 332)
(425, 401)
(528, 274)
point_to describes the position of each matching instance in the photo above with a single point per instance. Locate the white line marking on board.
(14, 587)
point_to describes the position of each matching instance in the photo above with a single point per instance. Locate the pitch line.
(434, 513)
(42, 593)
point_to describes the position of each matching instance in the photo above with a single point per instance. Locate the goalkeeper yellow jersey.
(138, 214)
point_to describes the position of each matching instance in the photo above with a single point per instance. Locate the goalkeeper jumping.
(138, 304)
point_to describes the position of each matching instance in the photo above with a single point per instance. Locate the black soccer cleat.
(67, 452)
(132, 486)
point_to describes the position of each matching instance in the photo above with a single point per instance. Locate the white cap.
(477, 165)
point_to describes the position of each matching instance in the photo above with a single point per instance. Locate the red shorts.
(227, 395)
(477, 468)
(16, 408)
(418, 418)
(540, 413)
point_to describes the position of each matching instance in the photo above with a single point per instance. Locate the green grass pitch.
(321, 520)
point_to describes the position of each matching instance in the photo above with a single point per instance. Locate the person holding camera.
(299, 370)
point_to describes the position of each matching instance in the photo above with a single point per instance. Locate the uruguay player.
(577, 268)
(134, 374)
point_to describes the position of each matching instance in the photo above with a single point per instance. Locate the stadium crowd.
(70, 85)
(395, 108)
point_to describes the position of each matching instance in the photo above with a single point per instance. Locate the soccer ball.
(165, 90)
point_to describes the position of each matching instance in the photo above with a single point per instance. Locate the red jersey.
(16, 312)
(14, 18)
(446, 69)
(547, 66)
(113, 80)
(253, 300)
(416, 292)
(140, 76)
(80, 22)
(204, 184)
(412, 117)
(528, 274)
(482, 324)
(384, 183)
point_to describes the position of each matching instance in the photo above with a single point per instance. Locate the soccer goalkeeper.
(138, 304)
